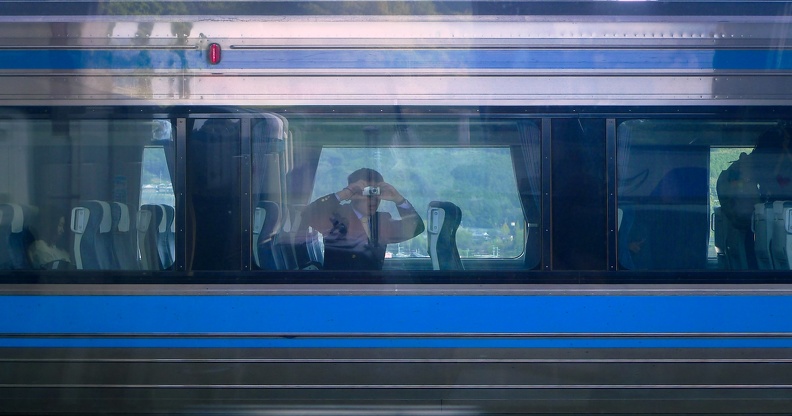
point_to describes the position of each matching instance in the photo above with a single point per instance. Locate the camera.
(371, 191)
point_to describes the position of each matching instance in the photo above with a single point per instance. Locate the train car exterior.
(595, 199)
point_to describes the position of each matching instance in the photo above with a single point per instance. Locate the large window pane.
(72, 193)
(456, 191)
(700, 194)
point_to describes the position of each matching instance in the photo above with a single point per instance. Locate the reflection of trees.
(182, 32)
(330, 8)
(146, 31)
(149, 8)
(374, 8)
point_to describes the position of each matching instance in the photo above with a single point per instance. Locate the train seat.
(718, 226)
(444, 219)
(730, 243)
(624, 223)
(93, 245)
(15, 236)
(266, 224)
(123, 248)
(152, 243)
(305, 250)
(674, 226)
(167, 238)
(763, 223)
(298, 248)
(781, 244)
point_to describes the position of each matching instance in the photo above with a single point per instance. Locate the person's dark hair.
(366, 174)
(48, 221)
(771, 141)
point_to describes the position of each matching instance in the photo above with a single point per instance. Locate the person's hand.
(389, 193)
(355, 188)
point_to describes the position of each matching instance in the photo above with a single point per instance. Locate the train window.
(449, 192)
(689, 192)
(73, 188)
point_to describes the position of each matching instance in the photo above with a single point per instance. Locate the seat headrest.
(258, 219)
(443, 212)
(14, 216)
(17, 218)
(79, 219)
(167, 218)
(121, 217)
(101, 208)
(143, 220)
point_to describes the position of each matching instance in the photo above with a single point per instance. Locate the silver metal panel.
(449, 86)
(473, 381)
(415, 30)
(398, 90)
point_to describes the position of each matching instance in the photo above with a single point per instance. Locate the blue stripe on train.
(473, 59)
(438, 321)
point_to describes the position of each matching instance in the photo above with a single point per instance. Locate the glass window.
(410, 191)
(692, 194)
(72, 189)
(479, 180)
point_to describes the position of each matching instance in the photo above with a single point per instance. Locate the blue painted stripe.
(149, 318)
(460, 59)
(393, 343)
(102, 59)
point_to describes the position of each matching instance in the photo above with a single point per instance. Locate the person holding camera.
(355, 233)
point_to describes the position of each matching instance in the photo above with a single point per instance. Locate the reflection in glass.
(72, 191)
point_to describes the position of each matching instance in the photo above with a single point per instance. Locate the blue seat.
(93, 245)
(15, 236)
(153, 244)
(763, 227)
(266, 225)
(672, 225)
(123, 248)
(443, 221)
(299, 248)
(167, 237)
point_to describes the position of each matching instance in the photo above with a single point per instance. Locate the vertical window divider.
(245, 184)
(180, 192)
(547, 205)
(613, 219)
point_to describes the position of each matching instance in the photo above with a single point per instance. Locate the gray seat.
(763, 222)
(781, 244)
(443, 221)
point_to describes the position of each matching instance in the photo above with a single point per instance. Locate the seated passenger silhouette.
(764, 175)
(49, 250)
(355, 233)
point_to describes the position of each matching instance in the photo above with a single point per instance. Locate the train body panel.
(551, 60)
(160, 161)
